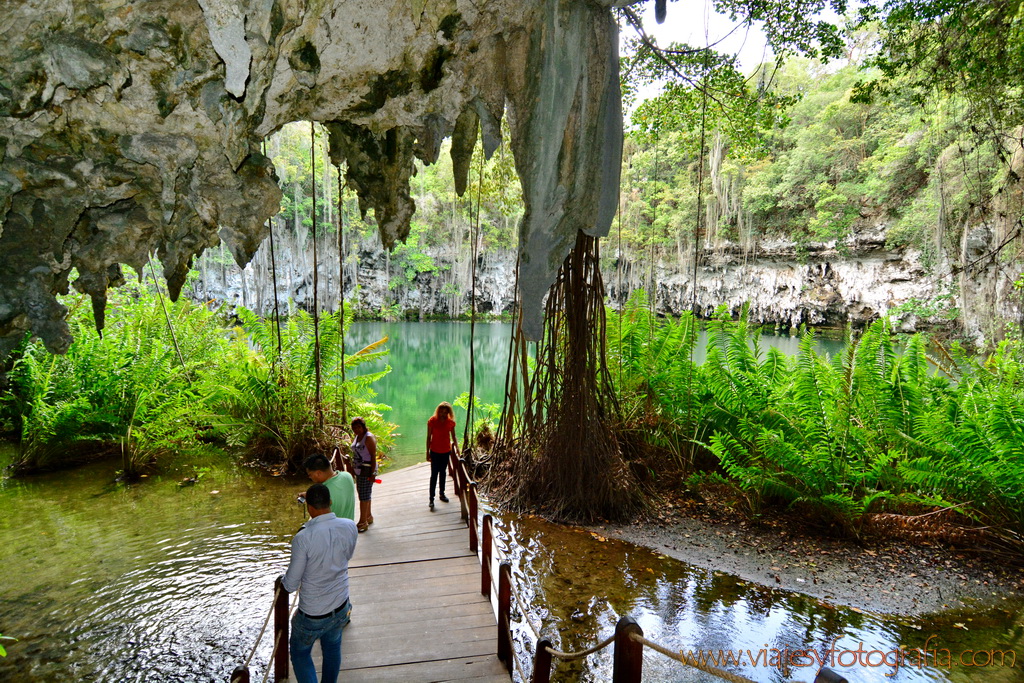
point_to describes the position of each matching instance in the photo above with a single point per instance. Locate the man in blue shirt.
(321, 551)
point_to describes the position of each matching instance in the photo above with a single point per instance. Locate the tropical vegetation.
(889, 425)
(164, 378)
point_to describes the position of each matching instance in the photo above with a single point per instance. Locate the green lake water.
(156, 582)
(430, 364)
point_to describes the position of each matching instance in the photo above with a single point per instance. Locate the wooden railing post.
(464, 486)
(240, 675)
(281, 631)
(472, 516)
(629, 654)
(505, 653)
(485, 558)
(542, 662)
(453, 470)
(826, 675)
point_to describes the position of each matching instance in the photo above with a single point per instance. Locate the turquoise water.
(430, 363)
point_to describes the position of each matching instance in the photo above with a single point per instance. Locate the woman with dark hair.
(441, 441)
(364, 448)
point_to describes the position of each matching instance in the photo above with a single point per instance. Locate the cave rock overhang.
(135, 129)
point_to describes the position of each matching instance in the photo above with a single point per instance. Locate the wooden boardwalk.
(417, 611)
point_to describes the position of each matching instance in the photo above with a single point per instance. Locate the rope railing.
(690, 661)
(278, 661)
(282, 637)
(277, 644)
(263, 629)
(628, 640)
(569, 656)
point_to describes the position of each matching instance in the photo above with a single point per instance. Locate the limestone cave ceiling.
(134, 128)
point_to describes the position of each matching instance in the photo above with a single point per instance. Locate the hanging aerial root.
(562, 456)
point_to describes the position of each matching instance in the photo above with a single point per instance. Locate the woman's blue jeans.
(305, 632)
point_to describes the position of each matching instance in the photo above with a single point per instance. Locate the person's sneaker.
(431, 505)
(444, 498)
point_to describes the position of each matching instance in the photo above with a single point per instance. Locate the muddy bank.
(884, 577)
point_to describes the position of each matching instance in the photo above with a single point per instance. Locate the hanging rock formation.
(134, 128)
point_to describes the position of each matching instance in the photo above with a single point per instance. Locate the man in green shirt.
(340, 484)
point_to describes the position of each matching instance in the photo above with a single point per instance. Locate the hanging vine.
(316, 290)
(468, 427)
(341, 291)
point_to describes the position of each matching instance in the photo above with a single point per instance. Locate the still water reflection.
(586, 583)
(103, 582)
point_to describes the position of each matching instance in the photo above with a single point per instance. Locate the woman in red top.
(441, 441)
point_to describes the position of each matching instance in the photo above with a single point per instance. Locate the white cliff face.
(785, 285)
(130, 128)
(373, 284)
(819, 284)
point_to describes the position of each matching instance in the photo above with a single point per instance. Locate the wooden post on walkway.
(464, 487)
(240, 675)
(485, 558)
(542, 662)
(472, 516)
(281, 631)
(629, 655)
(453, 470)
(505, 653)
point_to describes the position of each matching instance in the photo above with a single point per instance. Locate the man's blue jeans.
(305, 632)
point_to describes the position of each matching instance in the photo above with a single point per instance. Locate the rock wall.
(129, 128)
(825, 284)
(374, 286)
(786, 284)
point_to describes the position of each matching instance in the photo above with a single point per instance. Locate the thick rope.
(518, 667)
(270, 663)
(569, 656)
(690, 661)
(263, 630)
(526, 614)
(277, 641)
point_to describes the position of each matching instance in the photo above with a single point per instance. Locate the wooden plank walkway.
(417, 611)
